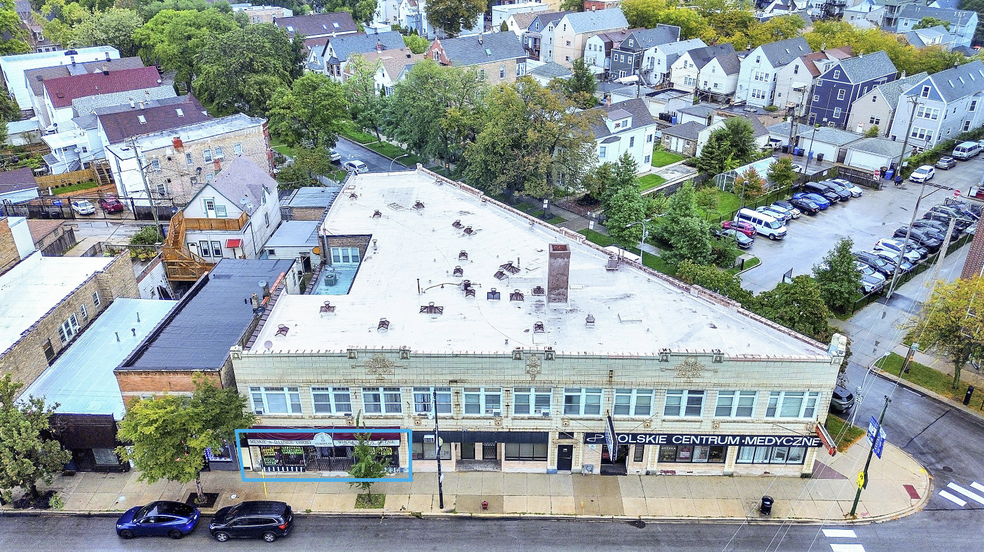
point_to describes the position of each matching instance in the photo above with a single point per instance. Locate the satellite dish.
(268, 345)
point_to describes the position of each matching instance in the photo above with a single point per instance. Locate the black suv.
(822, 190)
(252, 519)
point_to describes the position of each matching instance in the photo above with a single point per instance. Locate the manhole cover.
(947, 469)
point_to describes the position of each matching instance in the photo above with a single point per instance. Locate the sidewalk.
(826, 497)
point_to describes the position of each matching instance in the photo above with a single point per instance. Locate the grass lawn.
(352, 132)
(664, 158)
(363, 501)
(727, 203)
(281, 148)
(532, 210)
(934, 380)
(650, 181)
(652, 261)
(89, 184)
(844, 434)
(750, 263)
(391, 151)
(603, 240)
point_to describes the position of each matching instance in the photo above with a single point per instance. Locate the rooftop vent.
(431, 308)
(538, 327)
(282, 330)
(327, 307)
(500, 275)
(457, 223)
(468, 230)
(516, 295)
(538, 291)
(469, 290)
(462, 255)
(493, 295)
(458, 272)
(142, 119)
(377, 214)
(509, 267)
(589, 321)
(383, 325)
(418, 205)
(353, 195)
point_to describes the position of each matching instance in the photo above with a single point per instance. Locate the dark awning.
(341, 433)
(82, 431)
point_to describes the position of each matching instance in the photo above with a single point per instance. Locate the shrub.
(148, 235)
(771, 108)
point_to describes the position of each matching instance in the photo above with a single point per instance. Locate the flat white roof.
(36, 285)
(82, 379)
(636, 312)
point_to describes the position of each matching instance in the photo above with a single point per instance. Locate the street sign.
(956, 193)
(860, 480)
(610, 438)
(879, 443)
(872, 431)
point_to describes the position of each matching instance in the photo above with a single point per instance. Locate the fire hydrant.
(485, 505)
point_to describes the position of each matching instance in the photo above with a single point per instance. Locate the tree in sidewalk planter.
(309, 112)
(749, 186)
(798, 305)
(623, 209)
(951, 323)
(580, 88)
(782, 174)
(838, 277)
(168, 435)
(370, 461)
(714, 279)
(28, 454)
(303, 170)
(454, 16)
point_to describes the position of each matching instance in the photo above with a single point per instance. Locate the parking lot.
(877, 214)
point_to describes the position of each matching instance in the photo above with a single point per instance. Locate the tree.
(580, 88)
(740, 139)
(951, 322)
(599, 180)
(9, 111)
(453, 16)
(572, 5)
(168, 435)
(838, 277)
(749, 185)
(309, 113)
(416, 43)
(304, 168)
(241, 69)
(691, 241)
(369, 461)
(928, 22)
(648, 13)
(11, 30)
(624, 208)
(718, 281)
(782, 174)
(365, 104)
(977, 6)
(713, 158)
(28, 454)
(115, 27)
(504, 27)
(798, 305)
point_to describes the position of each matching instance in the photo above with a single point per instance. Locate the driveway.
(875, 215)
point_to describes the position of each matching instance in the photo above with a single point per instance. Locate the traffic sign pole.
(863, 476)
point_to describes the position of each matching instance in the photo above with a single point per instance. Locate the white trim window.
(582, 401)
(275, 400)
(633, 402)
(95, 299)
(84, 312)
(684, 403)
(529, 401)
(382, 400)
(68, 329)
(735, 404)
(485, 401)
(331, 400)
(344, 255)
(423, 400)
(792, 404)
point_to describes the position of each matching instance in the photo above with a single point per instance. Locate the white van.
(764, 224)
(966, 150)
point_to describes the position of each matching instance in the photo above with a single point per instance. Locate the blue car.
(158, 519)
(818, 199)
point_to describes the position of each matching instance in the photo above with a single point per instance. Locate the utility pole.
(143, 177)
(905, 142)
(864, 481)
(942, 255)
(905, 243)
(437, 445)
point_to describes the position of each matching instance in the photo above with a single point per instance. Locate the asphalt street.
(877, 214)
(350, 150)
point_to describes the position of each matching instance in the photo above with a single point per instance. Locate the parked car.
(842, 192)
(894, 259)
(962, 210)
(940, 214)
(946, 162)
(841, 400)
(266, 519)
(740, 238)
(821, 202)
(934, 225)
(874, 261)
(158, 519)
(355, 166)
(922, 236)
(111, 204)
(822, 191)
(83, 207)
(855, 190)
(796, 213)
(781, 215)
(334, 155)
(895, 247)
(971, 207)
(867, 270)
(924, 173)
(805, 205)
(743, 227)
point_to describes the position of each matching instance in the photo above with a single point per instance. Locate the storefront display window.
(526, 451)
(771, 455)
(105, 456)
(427, 451)
(693, 453)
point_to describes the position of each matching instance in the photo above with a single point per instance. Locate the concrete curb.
(928, 393)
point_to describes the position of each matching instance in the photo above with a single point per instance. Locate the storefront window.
(423, 398)
(526, 451)
(329, 400)
(282, 456)
(771, 455)
(105, 456)
(528, 401)
(692, 453)
(428, 451)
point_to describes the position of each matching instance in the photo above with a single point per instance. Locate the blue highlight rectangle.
(242, 470)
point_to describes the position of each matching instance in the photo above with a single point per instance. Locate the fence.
(65, 179)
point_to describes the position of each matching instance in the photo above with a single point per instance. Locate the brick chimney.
(558, 272)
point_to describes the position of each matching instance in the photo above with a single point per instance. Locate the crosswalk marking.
(966, 493)
(956, 500)
(839, 534)
(977, 486)
(846, 548)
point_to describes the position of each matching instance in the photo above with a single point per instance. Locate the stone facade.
(975, 258)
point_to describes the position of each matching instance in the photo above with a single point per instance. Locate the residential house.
(932, 36)
(963, 23)
(871, 154)
(503, 12)
(16, 241)
(308, 203)
(59, 92)
(841, 84)
(625, 127)
(518, 23)
(592, 5)
(941, 106)
(52, 237)
(295, 239)
(498, 57)
(234, 215)
(13, 67)
(867, 14)
(318, 24)
(393, 67)
(17, 186)
(712, 70)
(795, 81)
(598, 51)
(699, 113)
(877, 107)
(893, 10)
(262, 14)
(817, 142)
(628, 55)
(545, 73)
(656, 62)
(534, 33)
(48, 301)
(35, 79)
(177, 162)
(664, 104)
(682, 138)
(759, 69)
(566, 37)
(338, 50)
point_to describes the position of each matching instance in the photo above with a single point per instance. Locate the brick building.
(974, 264)
(48, 301)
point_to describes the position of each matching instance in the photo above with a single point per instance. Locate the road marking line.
(966, 493)
(977, 486)
(846, 548)
(839, 534)
(956, 500)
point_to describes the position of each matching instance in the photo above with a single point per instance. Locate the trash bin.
(798, 152)
(970, 393)
(890, 174)
(819, 157)
(785, 149)
(766, 507)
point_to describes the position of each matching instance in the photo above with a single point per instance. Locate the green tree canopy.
(572, 5)
(782, 173)
(453, 16)
(9, 111)
(872, 132)
(10, 28)
(309, 113)
(798, 305)
(370, 461)
(838, 277)
(115, 27)
(361, 10)
(691, 241)
(951, 323)
(928, 22)
(168, 435)
(713, 158)
(581, 87)
(624, 208)
(749, 186)
(718, 281)
(303, 169)
(366, 105)
(27, 453)
(416, 43)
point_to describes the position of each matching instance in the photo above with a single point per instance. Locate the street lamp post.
(864, 479)
(394, 161)
(643, 242)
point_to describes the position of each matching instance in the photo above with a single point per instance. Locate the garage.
(873, 153)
